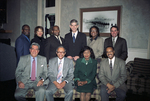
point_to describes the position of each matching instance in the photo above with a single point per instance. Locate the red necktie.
(33, 70)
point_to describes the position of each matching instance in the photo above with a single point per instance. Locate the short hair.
(110, 47)
(55, 26)
(87, 48)
(24, 26)
(97, 30)
(36, 29)
(60, 47)
(36, 44)
(114, 27)
(74, 20)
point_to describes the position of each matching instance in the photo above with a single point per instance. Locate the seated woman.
(85, 72)
(96, 42)
(38, 38)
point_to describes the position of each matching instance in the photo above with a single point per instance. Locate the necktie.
(111, 66)
(33, 70)
(59, 76)
(73, 38)
(113, 42)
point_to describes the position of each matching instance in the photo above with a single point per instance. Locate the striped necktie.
(59, 76)
(74, 38)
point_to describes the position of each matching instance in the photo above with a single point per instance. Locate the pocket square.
(42, 65)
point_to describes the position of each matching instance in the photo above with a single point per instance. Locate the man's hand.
(63, 84)
(75, 58)
(57, 85)
(21, 84)
(110, 87)
(70, 57)
(40, 83)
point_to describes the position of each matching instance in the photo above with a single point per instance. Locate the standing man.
(52, 43)
(113, 76)
(119, 44)
(22, 43)
(74, 41)
(30, 74)
(60, 75)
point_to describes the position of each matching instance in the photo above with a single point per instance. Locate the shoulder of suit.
(39, 56)
(25, 56)
(81, 34)
(118, 59)
(68, 34)
(121, 38)
(108, 38)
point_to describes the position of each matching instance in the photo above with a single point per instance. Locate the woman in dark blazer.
(38, 38)
(85, 72)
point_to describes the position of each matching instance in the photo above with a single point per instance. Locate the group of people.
(53, 60)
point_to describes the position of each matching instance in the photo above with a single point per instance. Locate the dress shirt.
(113, 61)
(115, 39)
(58, 37)
(75, 34)
(35, 66)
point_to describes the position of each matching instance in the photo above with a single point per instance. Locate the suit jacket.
(51, 45)
(22, 46)
(97, 46)
(118, 76)
(41, 42)
(68, 70)
(23, 70)
(73, 49)
(120, 47)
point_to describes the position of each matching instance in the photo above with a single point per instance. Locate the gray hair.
(60, 47)
(74, 20)
(36, 44)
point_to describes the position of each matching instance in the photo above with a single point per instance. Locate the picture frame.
(102, 17)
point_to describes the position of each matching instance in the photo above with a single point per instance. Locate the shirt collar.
(75, 34)
(84, 61)
(94, 38)
(26, 37)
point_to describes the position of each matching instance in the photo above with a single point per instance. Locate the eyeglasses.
(61, 52)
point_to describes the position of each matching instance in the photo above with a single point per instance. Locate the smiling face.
(114, 32)
(110, 52)
(74, 27)
(94, 32)
(60, 52)
(26, 30)
(56, 30)
(34, 50)
(87, 54)
(39, 32)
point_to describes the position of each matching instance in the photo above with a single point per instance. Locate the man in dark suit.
(30, 74)
(52, 43)
(22, 43)
(60, 74)
(119, 44)
(112, 75)
(74, 41)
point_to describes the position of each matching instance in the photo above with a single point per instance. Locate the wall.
(20, 12)
(135, 18)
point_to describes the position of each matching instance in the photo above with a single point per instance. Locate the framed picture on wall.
(103, 18)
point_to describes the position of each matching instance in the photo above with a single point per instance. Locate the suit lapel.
(117, 41)
(115, 67)
(29, 64)
(38, 65)
(108, 69)
(64, 66)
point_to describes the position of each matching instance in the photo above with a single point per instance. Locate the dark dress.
(41, 42)
(87, 73)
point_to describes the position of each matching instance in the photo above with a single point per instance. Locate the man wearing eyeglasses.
(60, 74)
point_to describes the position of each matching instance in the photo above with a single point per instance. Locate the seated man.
(113, 76)
(60, 75)
(30, 73)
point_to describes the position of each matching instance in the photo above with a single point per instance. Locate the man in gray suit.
(31, 73)
(60, 75)
(113, 76)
